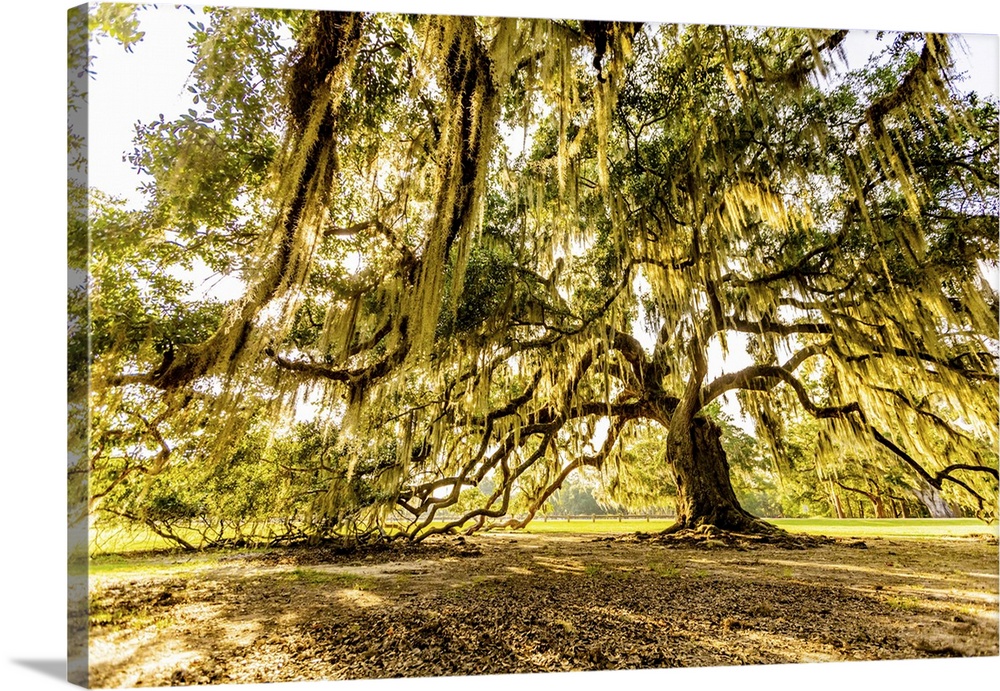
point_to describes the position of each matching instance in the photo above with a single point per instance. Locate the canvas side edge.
(78, 347)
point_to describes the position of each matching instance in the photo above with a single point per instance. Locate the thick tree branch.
(757, 376)
(766, 325)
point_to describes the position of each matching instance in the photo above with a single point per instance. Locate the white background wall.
(32, 358)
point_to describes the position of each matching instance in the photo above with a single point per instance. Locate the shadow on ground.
(48, 668)
(540, 604)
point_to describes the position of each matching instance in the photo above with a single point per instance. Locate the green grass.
(922, 528)
(121, 539)
(603, 526)
(124, 542)
(665, 570)
(342, 580)
(902, 603)
(145, 564)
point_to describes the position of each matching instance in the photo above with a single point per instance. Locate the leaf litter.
(508, 603)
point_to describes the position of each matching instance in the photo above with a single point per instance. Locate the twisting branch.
(310, 368)
(768, 326)
(591, 460)
(762, 377)
(946, 472)
(421, 531)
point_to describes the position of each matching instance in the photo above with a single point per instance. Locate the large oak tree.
(491, 252)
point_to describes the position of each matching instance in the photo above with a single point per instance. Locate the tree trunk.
(878, 504)
(936, 505)
(838, 508)
(705, 494)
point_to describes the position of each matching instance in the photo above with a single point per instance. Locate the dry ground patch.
(531, 603)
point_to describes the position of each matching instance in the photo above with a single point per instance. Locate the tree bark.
(877, 502)
(705, 495)
(837, 506)
(879, 505)
(936, 505)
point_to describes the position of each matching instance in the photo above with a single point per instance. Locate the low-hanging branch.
(953, 364)
(774, 373)
(937, 480)
(595, 460)
(545, 423)
(420, 530)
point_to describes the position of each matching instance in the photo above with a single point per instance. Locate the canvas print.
(410, 345)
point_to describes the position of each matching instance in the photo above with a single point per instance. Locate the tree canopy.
(487, 253)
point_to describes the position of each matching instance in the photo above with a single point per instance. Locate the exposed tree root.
(753, 534)
(375, 551)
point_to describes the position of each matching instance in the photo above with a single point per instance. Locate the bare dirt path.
(531, 603)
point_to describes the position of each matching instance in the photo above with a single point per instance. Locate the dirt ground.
(502, 603)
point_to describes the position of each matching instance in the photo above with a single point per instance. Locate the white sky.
(33, 350)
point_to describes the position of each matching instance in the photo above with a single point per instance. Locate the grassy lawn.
(848, 527)
(923, 528)
(123, 540)
(140, 540)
